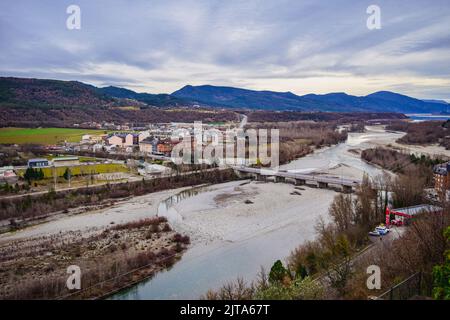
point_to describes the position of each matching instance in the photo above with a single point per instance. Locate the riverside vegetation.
(425, 132)
(298, 139)
(110, 259)
(331, 266)
(28, 207)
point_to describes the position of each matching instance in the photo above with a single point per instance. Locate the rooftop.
(66, 159)
(122, 134)
(148, 140)
(414, 210)
(37, 160)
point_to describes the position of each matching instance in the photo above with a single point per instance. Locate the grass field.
(43, 135)
(83, 169)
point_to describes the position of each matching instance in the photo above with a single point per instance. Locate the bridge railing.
(291, 175)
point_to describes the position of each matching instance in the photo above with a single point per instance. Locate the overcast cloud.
(299, 46)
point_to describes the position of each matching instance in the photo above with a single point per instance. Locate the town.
(120, 155)
(225, 152)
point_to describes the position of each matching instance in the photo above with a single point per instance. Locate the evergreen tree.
(29, 174)
(277, 272)
(40, 175)
(67, 174)
(301, 272)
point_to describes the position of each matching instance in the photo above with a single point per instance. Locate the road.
(243, 121)
(131, 179)
(378, 244)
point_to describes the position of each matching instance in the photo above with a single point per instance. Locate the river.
(260, 240)
(344, 159)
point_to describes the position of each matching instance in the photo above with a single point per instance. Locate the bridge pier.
(279, 179)
(289, 180)
(346, 185)
(347, 189)
(322, 185)
(260, 177)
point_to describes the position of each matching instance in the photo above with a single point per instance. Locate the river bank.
(125, 211)
(107, 259)
(235, 227)
(345, 159)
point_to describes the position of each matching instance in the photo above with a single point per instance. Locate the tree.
(441, 274)
(278, 272)
(301, 272)
(365, 214)
(40, 175)
(337, 263)
(383, 185)
(341, 210)
(33, 174)
(67, 174)
(7, 187)
(408, 188)
(29, 175)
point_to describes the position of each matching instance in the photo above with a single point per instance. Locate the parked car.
(382, 230)
(379, 231)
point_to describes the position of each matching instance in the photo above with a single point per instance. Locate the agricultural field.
(81, 170)
(43, 135)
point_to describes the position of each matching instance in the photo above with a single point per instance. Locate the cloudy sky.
(294, 45)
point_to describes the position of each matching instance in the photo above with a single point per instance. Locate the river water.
(209, 265)
(340, 160)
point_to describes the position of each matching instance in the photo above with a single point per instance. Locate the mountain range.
(39, 93)
(382, 101)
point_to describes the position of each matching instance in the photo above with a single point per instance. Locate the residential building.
(6, 169)
(146, 145)
(131, 139)
(164, 147)
(97, 147)
(123, 140)
(143, 135)
(116, 140)
(441, 178)
(7, 175)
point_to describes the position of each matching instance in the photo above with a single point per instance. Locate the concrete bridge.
(323, 182)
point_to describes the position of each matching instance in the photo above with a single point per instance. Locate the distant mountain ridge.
(39, 93)
(158, 100)
(382, 101)
(43, 93)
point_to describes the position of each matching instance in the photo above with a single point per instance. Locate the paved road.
(131, 179)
